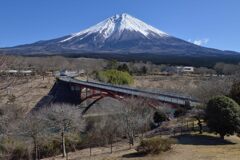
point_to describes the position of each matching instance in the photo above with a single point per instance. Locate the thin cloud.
(200, 42)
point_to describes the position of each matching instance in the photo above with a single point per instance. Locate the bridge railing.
(175, 95)
(163, 96)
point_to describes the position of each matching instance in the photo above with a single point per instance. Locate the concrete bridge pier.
(67, 93)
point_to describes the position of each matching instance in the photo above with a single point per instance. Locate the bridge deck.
(168, 98)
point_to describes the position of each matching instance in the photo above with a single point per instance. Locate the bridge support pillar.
(65, 92)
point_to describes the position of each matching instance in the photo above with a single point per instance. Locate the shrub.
(115, 77)
(154, 145)
(144, 70)
(53, 148)
(159, 117)
(123, 67)
(20, 153)
(223, 115)
(13, 149)
(16, 150)
(180, 112)
(49, 149)
(113, 64)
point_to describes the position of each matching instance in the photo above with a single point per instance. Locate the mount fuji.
(118, 35)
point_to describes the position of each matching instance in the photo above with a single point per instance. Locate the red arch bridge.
(73, 91)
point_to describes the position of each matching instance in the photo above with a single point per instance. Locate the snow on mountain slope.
(116, 25)
(118, 34)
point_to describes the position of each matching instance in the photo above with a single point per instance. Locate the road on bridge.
(163, 97)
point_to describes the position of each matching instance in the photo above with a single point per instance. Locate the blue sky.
(211, 23)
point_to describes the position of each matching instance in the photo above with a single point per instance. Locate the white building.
(185, 69)
(26, 72)
(69, 73)
(12, 71)
(17, 72)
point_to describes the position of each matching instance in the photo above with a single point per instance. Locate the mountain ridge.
(120, 34)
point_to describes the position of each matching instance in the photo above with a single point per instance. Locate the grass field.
(172, 83)
(27, 91)
(189, 147)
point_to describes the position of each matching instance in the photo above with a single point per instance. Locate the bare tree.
(135, 117)
(102, 131)
(63, 119)
(198, 113)
(5, 61)
(9, 116)
(211, 88)
(33, 126)
(93, 136)
(109, 129)
(204, 71)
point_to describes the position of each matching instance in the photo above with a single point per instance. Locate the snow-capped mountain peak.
(115, 26)
(119, 34)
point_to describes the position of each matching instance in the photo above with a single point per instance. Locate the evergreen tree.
(223, 116)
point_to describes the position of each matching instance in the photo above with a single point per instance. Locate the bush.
(115, 77)
(13, 149)
(124, 68)
(180, 112)
(20, 153)
(53, 148)
(159, 117)
(223, 116)
(154, 145)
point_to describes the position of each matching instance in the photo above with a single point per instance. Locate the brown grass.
(28, 91)
(228, 151)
